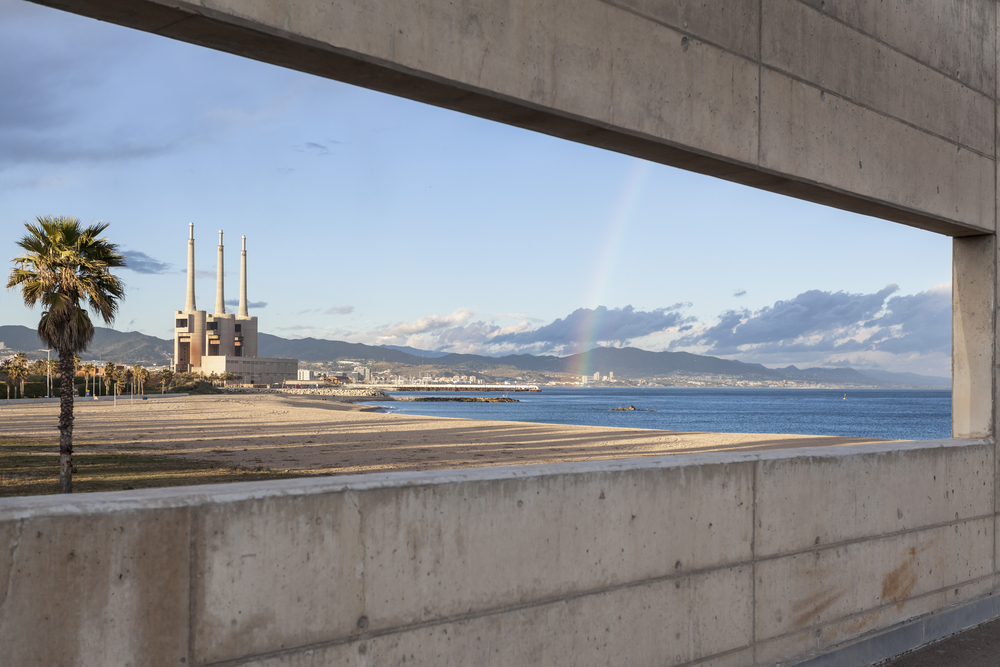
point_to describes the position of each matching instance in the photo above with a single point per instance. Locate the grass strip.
(30, 468)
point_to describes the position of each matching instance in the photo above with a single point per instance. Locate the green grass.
(29, 468)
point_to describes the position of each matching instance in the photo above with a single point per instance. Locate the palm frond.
(65, 267)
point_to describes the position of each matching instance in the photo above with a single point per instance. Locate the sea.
(860, 413)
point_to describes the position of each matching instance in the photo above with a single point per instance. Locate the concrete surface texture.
(729, 558)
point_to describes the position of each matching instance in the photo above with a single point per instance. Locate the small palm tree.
(121, 376)
(19, 370)
(141, 376)
(64, 264)
(5, 375)
(88, 372)
(109, 375)
(166, 379)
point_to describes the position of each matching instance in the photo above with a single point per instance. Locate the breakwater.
(365, 392)
(456, 387)
(457, 399)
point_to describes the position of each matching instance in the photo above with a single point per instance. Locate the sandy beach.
(327, 435)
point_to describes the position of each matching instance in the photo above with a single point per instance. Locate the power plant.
(222, 342)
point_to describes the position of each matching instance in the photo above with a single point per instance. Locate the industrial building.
(222, 342)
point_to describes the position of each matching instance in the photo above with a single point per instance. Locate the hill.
(830, 375)
(910, 379)
(428, 354)
(124, 347)
(316, 349)
(625, 362)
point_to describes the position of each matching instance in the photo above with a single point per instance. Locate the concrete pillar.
(973, 344)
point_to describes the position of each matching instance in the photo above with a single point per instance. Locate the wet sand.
(327, 435)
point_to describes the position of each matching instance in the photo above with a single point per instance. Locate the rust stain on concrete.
(809, 608)
(899, 584)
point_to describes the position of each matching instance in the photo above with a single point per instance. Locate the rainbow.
(607, 261)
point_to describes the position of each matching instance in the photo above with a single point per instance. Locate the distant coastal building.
(222, 342)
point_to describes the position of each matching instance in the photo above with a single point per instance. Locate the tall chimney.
(243, 280)
(220, 299)
(189, 306)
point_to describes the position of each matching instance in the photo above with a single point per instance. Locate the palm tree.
(88, 372)
(18, 374)
(38, 367)
(19, 370)
(140, 375)
(5, 375)
(109, 375)
(121, 376)
(166, 379)
(63, 264)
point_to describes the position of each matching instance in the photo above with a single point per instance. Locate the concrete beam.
(746, 91)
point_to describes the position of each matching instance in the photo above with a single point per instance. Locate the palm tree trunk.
(66, 422)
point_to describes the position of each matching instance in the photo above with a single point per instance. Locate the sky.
(378, 220)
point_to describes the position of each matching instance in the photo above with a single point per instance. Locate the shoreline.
(349, 435)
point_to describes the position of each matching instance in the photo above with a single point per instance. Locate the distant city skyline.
(379, 220)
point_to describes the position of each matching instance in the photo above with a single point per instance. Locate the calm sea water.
(866, 413)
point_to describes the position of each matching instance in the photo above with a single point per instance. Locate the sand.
(317, 435)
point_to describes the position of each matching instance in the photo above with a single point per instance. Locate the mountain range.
(626, 362)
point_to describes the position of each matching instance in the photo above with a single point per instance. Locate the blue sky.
(379, 220)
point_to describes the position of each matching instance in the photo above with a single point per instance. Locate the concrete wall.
(722, 559)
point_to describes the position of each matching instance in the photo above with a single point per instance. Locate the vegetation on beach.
(32, 468)
(195, 388)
